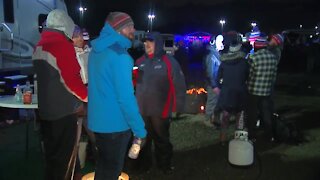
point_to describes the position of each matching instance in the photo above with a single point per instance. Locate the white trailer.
(20, 25)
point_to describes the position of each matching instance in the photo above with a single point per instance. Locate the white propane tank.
(240, 149)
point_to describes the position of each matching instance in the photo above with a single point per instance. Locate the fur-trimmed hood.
(232, 55)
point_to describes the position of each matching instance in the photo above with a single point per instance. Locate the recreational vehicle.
(21, 22)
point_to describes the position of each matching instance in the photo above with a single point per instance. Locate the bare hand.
(82, 110)
(216, 90)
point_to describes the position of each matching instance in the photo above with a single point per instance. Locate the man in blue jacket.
(211, 64)
(112, 109)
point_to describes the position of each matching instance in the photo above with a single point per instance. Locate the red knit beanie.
(278, 38)
(261, 42)
(119, 20)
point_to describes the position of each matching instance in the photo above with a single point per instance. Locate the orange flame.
(196, 91)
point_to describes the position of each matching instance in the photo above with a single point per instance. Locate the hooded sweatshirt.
(112, 106)
(58, 72)
(212, 63)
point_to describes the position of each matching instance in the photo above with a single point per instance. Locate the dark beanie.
(76, 32)
(232, 38)
(119, 20)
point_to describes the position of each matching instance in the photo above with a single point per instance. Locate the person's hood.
(108, 37)
(232, 55)
(157, 38)
(212, 49)
(60, 20)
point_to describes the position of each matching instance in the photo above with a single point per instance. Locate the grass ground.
(197, 153)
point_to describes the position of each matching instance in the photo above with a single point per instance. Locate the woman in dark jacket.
(232, 76)
(160, 90)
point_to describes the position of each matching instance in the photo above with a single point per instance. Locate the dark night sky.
(185, 16)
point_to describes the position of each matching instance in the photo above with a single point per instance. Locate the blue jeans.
(112, 149)
(211, 103)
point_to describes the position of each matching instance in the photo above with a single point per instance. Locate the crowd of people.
(241, 81)
(92, 87)
(69, 73)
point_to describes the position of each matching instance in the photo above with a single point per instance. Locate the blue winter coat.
(212, 63)
(112, 106)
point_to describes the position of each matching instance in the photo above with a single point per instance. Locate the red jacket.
(58, 73)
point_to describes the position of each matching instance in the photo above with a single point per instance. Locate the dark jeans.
(59, 137)
(158, 132)
(112, 149)
(211, 103)
(262, 105)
